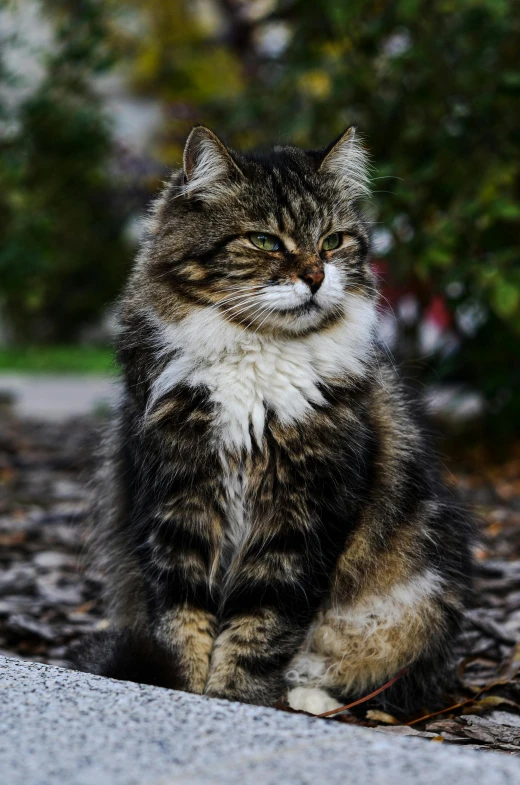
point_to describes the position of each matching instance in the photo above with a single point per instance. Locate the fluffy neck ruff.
(247, 373)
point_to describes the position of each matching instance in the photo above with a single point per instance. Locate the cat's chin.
(302, 309)
(299, 320)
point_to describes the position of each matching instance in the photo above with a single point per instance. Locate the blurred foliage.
(181, 55)
(433, 86)
(62, 257)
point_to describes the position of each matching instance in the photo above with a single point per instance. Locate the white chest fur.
(247, 373)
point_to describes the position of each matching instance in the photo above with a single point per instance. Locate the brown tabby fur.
(270, 514)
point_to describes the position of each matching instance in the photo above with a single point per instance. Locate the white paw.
(312, 700)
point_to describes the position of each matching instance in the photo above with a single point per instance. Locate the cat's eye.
(267, 242)
(331, 242)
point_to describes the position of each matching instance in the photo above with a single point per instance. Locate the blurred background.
(97, 98)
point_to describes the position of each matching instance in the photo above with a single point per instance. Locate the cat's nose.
(313, 277)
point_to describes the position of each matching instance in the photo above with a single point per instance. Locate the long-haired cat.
(271, 518)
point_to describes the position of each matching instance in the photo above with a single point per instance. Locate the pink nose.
(313, 277)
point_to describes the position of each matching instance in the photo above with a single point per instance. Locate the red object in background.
(436, 311)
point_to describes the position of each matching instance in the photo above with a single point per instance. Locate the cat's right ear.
(347, 162)
(209, 169)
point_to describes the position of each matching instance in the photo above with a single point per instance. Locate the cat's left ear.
(347, 161)
(209, 168)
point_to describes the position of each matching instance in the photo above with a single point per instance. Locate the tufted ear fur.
(347, 161)
(209, 169)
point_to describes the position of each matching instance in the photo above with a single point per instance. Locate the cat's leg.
(249, 656)
(179, 557)
(355, 648)
(175, 511)
(188, 632)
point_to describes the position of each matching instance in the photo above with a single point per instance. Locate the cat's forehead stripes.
(301, 217)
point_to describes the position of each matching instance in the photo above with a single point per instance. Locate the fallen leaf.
(513, 666)
(489, 702)
(381, 716)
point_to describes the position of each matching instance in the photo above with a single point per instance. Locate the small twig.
(462, 703)
(366, 698)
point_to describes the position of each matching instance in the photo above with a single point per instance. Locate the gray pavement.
(57, 397)
(59, 726)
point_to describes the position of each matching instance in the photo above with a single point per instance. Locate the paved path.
(58, 727)
(57, 397)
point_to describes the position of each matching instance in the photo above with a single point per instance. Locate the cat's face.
(274, 243)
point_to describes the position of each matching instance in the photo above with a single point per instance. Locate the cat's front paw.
(223, 693)
(256, 693)
(312, 700)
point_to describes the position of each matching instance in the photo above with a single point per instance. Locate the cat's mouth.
(311, 306)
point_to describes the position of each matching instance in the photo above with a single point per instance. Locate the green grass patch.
(57, 359)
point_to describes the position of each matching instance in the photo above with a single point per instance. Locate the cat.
(271, 518)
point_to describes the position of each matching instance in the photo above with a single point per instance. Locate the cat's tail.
(128, 656)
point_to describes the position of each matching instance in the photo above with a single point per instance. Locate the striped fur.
(270, 516)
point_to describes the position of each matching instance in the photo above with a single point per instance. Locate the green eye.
(331, 242)
(267, 242)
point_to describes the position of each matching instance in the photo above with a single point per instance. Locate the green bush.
(62, 257)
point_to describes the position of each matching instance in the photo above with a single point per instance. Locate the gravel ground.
(47, 601)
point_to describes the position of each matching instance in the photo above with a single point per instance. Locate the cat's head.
(273, 242)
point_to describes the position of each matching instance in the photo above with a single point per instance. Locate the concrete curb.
(59, 726)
